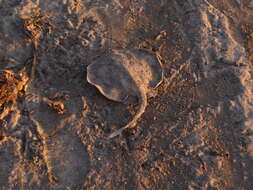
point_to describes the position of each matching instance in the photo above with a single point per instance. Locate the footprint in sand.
(66, 158)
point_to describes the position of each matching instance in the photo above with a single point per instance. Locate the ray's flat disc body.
(124, 74)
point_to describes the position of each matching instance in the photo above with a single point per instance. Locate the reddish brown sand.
(195, 133)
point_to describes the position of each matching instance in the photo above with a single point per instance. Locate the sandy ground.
(196, 132)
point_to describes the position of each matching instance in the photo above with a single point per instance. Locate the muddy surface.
(195, 133)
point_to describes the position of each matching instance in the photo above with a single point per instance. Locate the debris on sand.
(10, 85)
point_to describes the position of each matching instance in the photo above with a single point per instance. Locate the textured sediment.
(195, 133)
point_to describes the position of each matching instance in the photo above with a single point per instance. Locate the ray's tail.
(132, 123)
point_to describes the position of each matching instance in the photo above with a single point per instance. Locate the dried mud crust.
(194, 134)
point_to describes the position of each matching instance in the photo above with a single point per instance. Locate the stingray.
(126, 76)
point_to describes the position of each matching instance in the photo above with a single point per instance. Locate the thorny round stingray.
(125, 76)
